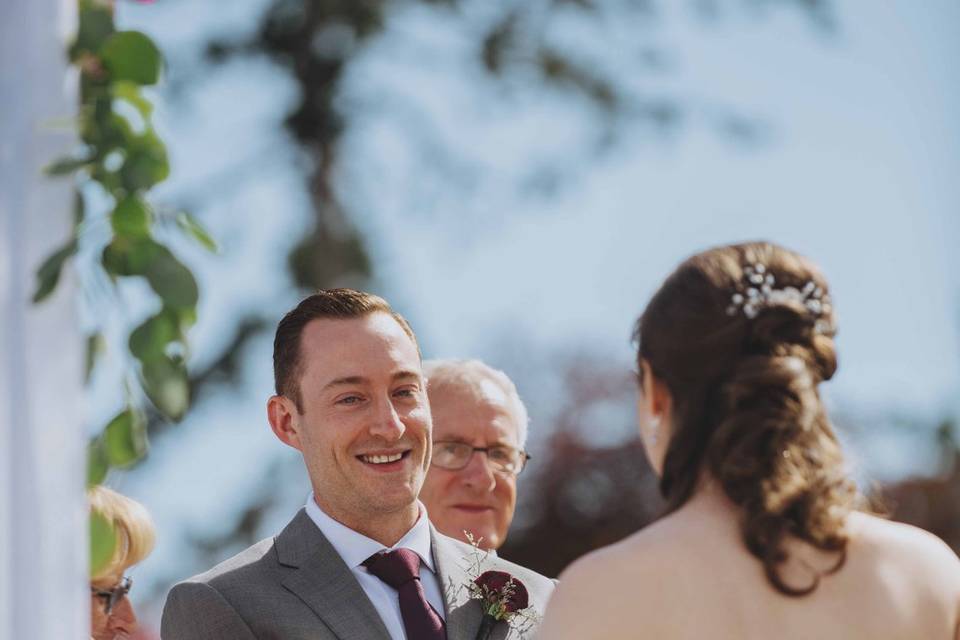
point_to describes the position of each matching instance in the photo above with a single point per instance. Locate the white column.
(43, 532)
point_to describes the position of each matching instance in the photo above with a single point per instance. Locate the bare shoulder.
(904, 543)
(597, 590)
(915, 565)
(909, 565)
(641, 555)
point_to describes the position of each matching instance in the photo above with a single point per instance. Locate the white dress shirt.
(355, 547)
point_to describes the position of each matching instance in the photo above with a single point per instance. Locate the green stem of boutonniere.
(486, 627)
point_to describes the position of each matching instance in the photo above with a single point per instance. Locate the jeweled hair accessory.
(760, 291)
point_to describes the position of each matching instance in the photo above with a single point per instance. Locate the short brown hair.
(326, 303)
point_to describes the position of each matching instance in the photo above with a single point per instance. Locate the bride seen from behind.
(764, 536)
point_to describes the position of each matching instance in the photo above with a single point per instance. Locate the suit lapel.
(462, 614)
(325, 583)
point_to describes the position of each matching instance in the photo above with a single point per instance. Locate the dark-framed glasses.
(454, 456)
(113, 596)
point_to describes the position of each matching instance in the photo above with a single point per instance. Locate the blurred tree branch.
(315, 42)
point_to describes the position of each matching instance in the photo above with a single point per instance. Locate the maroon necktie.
(401, 570)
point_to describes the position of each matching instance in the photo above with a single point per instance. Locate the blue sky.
(856, 168)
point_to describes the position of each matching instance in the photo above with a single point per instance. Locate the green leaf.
(173, 281)
(95, 346)
(166, 384)
(49, 272)
(187, 317)
(125, 439)
(130, 257)
(150, 339)
(95, 26)
(130, 92)
(66, 165)
(131, 55)
(131, 218)
(146, 162)
(190, 226)
(103, 542)
(97, 465)
(110, 131)
(79, 212)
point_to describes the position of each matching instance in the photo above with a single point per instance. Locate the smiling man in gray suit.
(360, 561)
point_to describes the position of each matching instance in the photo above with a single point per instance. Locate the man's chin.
(392, 499)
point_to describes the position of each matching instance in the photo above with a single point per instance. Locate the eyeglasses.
(113, 596)
(454, 456)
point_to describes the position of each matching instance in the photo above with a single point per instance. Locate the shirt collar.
(355, 547)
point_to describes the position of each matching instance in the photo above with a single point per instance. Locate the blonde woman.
(110, 611)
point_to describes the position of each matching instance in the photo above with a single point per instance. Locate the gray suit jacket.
(296, 587)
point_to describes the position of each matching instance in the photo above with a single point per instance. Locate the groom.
(361, 560)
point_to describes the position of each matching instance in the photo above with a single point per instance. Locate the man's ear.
(284, 420)
(656, 395)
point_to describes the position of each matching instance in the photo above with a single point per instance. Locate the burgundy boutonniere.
(501, 596)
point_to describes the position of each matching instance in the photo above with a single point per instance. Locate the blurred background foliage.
(314, 42)
(584, 490)
(119, 160)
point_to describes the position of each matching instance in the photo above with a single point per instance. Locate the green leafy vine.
(119, 159)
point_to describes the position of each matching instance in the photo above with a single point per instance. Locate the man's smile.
(384, 461)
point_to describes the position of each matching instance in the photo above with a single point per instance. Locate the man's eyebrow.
(339, 382)
(351, 380)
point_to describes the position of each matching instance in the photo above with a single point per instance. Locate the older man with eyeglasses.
(479, 431)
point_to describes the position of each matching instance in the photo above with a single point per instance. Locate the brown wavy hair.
(746, 405)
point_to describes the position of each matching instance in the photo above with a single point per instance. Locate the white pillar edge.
(43, 531)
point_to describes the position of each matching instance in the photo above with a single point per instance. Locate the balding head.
(473, 405)
(481, 381)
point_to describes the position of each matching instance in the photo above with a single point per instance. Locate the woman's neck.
(709, 501)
